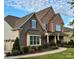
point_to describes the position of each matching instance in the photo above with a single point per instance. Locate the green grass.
(68, 54)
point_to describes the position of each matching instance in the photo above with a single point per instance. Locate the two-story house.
(37, 28)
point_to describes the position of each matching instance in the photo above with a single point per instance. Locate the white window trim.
(28, 40)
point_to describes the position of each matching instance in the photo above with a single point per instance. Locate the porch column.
(58, 37)
(47, 38)
(55, 41)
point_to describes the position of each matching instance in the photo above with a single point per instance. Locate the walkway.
(38, 54)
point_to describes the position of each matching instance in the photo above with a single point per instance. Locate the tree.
(71, 23)
(72, 3)
(16, 45)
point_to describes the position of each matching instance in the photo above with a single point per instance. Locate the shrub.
(16, 45)
(59, 43)
(71, 43)
(52, 44)
(16, 48)
(34, 47)
(45, 46)
(54, 47)
(26, 49)
(15, 52)
(8, 54)
(64, 44)
(31, 50)
(40, 47)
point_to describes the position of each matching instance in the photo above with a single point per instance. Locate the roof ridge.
(27, 15)
(45, 14)
(44, 9)
(11, 20)
(42, 18)
(27, 19)
(57, 14)
(53, 17)
(11, 16)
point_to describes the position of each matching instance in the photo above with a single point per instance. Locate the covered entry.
(54, 38)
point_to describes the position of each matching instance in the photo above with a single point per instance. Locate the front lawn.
(68, 54)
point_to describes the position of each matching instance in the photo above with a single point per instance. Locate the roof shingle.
(11, 20)
(43, 17)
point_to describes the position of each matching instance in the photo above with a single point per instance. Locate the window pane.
(37, 42)
(33, 23)
(37, 39)
(31, 40)
(34, 39)
(58, 27)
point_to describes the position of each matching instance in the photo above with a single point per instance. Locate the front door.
(51, 40)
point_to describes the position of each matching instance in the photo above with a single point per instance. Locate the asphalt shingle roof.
(43, 16)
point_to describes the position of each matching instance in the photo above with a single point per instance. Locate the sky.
(21, 8)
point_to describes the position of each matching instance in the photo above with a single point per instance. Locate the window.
(34, 40)
(31, 40)
(37, 39)
(58, 27)
(33, 24)
(45, 26)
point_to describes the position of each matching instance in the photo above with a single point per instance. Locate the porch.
(53, 38)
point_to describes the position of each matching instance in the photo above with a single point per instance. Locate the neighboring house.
(36, 28)
(9, 35)
(8, 45)
(69, 34)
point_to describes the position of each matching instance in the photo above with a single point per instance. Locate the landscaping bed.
(68, 54)
(32, 50)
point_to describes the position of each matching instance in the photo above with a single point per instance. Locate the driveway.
(38, 54)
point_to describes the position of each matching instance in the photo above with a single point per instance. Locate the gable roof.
(11, 20)
(23, 20)
(60, 18)
(39, 15)
(42, 13)
(45, 14)
(55, 17)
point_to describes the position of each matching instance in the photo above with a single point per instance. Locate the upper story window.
(58, 27)
(34, 24)
(45, 26)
